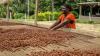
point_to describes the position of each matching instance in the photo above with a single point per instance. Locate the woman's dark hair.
(68, 7)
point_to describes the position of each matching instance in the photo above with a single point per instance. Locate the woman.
(66, 19)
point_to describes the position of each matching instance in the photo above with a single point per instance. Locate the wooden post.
(28, 9)
(90, 16)
(52, 9)
(7, 6)
(90, 13)
(80, 12)
(36, 12)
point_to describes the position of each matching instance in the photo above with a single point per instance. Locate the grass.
(87, 21)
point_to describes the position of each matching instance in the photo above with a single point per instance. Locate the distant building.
(87, 6)
(90, 7)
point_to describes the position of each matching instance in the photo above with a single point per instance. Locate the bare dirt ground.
(24, 40)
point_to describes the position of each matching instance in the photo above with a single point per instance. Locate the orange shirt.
(71, 17)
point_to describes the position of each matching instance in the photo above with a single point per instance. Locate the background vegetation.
(19, 9)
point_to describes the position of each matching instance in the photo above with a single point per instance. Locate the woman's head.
(66, 8)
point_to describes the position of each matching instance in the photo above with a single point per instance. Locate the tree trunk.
(28, 9)
(36, 12)
(7, 15)
(52, 9)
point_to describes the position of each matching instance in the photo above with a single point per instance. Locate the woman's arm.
(55, 24)
(61, 24)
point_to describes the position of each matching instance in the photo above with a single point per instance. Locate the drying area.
(23, 40)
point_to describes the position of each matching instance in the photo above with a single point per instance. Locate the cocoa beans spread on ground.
(34, 36)
(65, 53)
(13, 38)
(5, 23)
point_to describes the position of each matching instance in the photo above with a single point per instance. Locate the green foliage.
(18, 15)
(85, 21)
(56, 15)
(41, 17)
(91, 22)
(46, 16)
(2, 12)
(45, 5)
(71, 3)
(76, 14)
(31, 7)
(32, 17)
(19, 6)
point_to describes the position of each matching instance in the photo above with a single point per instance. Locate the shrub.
(19, 15)
(46, 16)
(2, 12)
(76, 14)
(56, 14)
(91, 22)
(41, 17)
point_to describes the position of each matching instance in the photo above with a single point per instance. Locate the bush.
(32, 17)
(76, 14)
(19, 15)
(2, 12)
(46, 16)
(56, 14)
(42, 17)
(91, 22)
